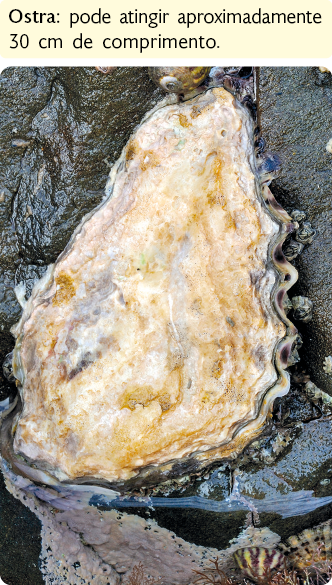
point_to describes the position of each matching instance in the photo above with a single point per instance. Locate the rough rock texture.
(61, 130)
(305, 465)
(154, 335)
(296, 470)
(19, 540)
(65, 558)
(295, 110)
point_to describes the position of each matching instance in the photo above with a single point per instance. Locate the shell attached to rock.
(302, 308)
(178, 79)
(157, 341)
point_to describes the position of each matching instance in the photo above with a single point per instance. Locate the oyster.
(158, 336)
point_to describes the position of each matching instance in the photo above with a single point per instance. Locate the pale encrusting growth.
(83, 545)
(153, 336)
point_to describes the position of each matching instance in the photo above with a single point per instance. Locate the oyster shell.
(158, 337)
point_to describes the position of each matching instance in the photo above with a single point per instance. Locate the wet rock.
(19, 542)
(296, 119)
(6, 388)
(202, 527)
(295, 407)
(306, 466)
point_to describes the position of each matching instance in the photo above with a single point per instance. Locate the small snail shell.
(178, 79)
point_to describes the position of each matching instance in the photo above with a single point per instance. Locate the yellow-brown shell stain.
(195, 112)
(185, 123)
(65, 289)
(149, 159)
(144, 397)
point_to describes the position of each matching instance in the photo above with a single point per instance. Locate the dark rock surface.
(19, 542)
(306, 465)
(295, 114)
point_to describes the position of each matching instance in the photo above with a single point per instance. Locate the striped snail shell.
(257, 562)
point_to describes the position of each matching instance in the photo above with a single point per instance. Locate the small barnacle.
(20, 143)
(298, 215)
(302, 308)
(292, 249)
(178, 79)
(312, 391)
(257, 562)
(305, 234)
(327, 367)
(329, 146)
(294, 357)
(316, 395)
(217, 74)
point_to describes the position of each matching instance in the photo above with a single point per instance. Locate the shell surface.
(313, 546)
(257, 562)
(158, 334)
